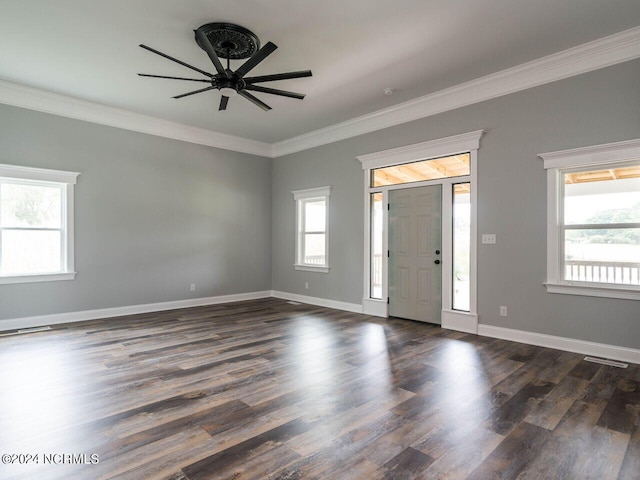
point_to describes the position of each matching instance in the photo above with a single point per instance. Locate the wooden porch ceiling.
(602, 175)
(445, 167)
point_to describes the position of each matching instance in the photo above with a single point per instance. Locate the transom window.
(36, 224)
(443, 167)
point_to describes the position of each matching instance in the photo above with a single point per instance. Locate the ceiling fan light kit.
(232, 42)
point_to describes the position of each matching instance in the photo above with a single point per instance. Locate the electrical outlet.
(503, 311)
(306, 285)
(193, 287)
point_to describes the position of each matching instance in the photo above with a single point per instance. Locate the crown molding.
(66, 106)
(607, 51)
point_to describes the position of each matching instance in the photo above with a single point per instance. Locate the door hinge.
(388, 301)
(388, 254)
(388, 206)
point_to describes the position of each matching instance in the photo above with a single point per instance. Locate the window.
(461, 246)
(377, 240)
(312, 229)
(36, 224)
(594, 221)
(443, 167)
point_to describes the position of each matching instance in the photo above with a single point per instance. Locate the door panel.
(415, 286)
(403, 223)
(404, 283)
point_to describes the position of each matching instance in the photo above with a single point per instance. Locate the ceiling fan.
(229, 41)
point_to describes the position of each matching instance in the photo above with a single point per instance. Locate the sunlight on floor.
(37, 394)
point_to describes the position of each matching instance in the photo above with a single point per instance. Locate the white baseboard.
(377, 308)
(562, 343)
(321, 302)
(460, 321)
(452, 320)
(58, 318)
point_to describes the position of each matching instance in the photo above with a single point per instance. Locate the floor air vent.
(26, 330)
(611, 363)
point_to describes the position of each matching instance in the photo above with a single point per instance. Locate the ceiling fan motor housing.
(228, 86)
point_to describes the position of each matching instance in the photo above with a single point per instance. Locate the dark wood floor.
(269, 390)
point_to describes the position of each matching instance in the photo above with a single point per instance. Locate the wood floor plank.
(552, 408)
(268, 390)
(512, 456)
(407, 464)
(233, 456)
(461, 459)
(513, 411)
(631, 463)
(623, 408)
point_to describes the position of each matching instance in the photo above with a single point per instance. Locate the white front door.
(415, 247)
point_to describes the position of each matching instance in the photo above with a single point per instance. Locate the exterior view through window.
(377, 213)
(461, 245)
(314, 232)
(31, 226)
(602, 225)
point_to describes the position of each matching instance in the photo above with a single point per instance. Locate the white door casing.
(466, 321)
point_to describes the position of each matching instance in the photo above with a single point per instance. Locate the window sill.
(312, 268)
(599, 290)
(45, 277)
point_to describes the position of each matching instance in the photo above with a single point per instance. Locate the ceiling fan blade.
(223, 103)
(206, 44)
(263, 53)
(194, 92)
(277, 76)
(176, 60)
(254, 100)
(175, 78)
(275, 91)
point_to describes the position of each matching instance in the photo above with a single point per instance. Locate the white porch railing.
(376, 277)
(314, 260)
(625, 273)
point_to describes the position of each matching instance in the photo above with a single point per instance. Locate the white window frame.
(464, 143)
(301, 197)
(66, 182)
(556, 164)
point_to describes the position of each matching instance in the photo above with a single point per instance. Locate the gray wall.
(153, 215)
(598, 107)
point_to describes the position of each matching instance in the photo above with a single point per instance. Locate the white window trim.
(66, 180)
(310, 194)
(463, 143)
(556, 163)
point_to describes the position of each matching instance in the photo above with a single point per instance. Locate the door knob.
(437, 252)
(437, 262)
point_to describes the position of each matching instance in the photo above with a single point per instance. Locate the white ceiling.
(89, 50)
